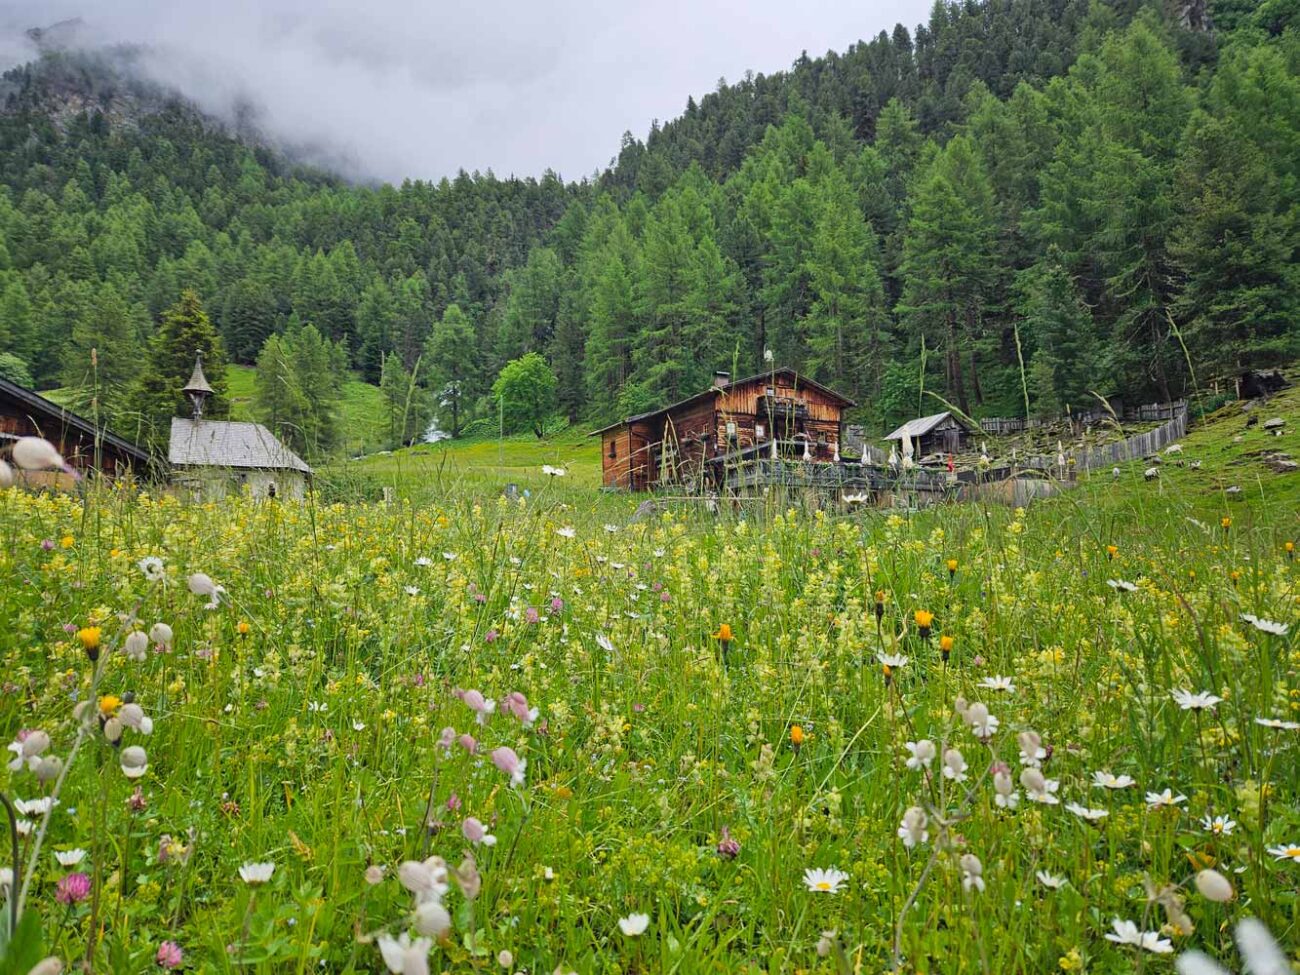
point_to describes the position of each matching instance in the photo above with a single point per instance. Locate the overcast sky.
(404, 88)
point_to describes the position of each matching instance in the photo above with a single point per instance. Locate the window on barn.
(613, 448)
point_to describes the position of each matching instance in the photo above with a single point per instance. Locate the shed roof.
(922, 425)
(46, 408)
(714, 390)
(226, 443)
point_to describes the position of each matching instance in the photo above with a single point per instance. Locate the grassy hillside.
(361, 412)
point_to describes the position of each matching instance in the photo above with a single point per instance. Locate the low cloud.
(390, 89)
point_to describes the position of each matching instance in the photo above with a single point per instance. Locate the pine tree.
(247, 318)
(407, 405)
(1060, 332)
(102, 358)
(450, 367)
(184, 332)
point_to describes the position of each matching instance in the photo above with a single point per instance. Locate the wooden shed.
(939, 433)
(777, 413)
(86, 447)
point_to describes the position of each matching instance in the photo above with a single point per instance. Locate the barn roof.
(714, 390)
(922, 425)
(42, 407)
(224, 443)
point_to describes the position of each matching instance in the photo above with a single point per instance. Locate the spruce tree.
(183, 332)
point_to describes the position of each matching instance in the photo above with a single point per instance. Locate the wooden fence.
(1141, 445)
(1002, 425)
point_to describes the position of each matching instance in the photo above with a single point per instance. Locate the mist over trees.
(1025, 202)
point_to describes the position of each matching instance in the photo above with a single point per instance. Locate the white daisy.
(1265, 626)
(1165, 800)
(1104, 780)
(1128, 933)
(1083, 812)
(1050, 881)
(1219, 825)
(824, 881)
(996, 683)
(1287, 851)
(1121, 585)
(1278, 723)
(1189, 701)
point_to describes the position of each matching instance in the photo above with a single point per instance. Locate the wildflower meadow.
(545, 734)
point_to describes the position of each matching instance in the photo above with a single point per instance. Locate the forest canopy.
(1018, 205)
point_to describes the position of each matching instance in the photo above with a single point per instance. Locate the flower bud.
(134, 762)
(136, 646)
(49, 768)
(113, 731)
(432, 919)
(1214, 886)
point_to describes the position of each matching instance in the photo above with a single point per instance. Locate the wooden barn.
(85, 447)
(776, 414)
